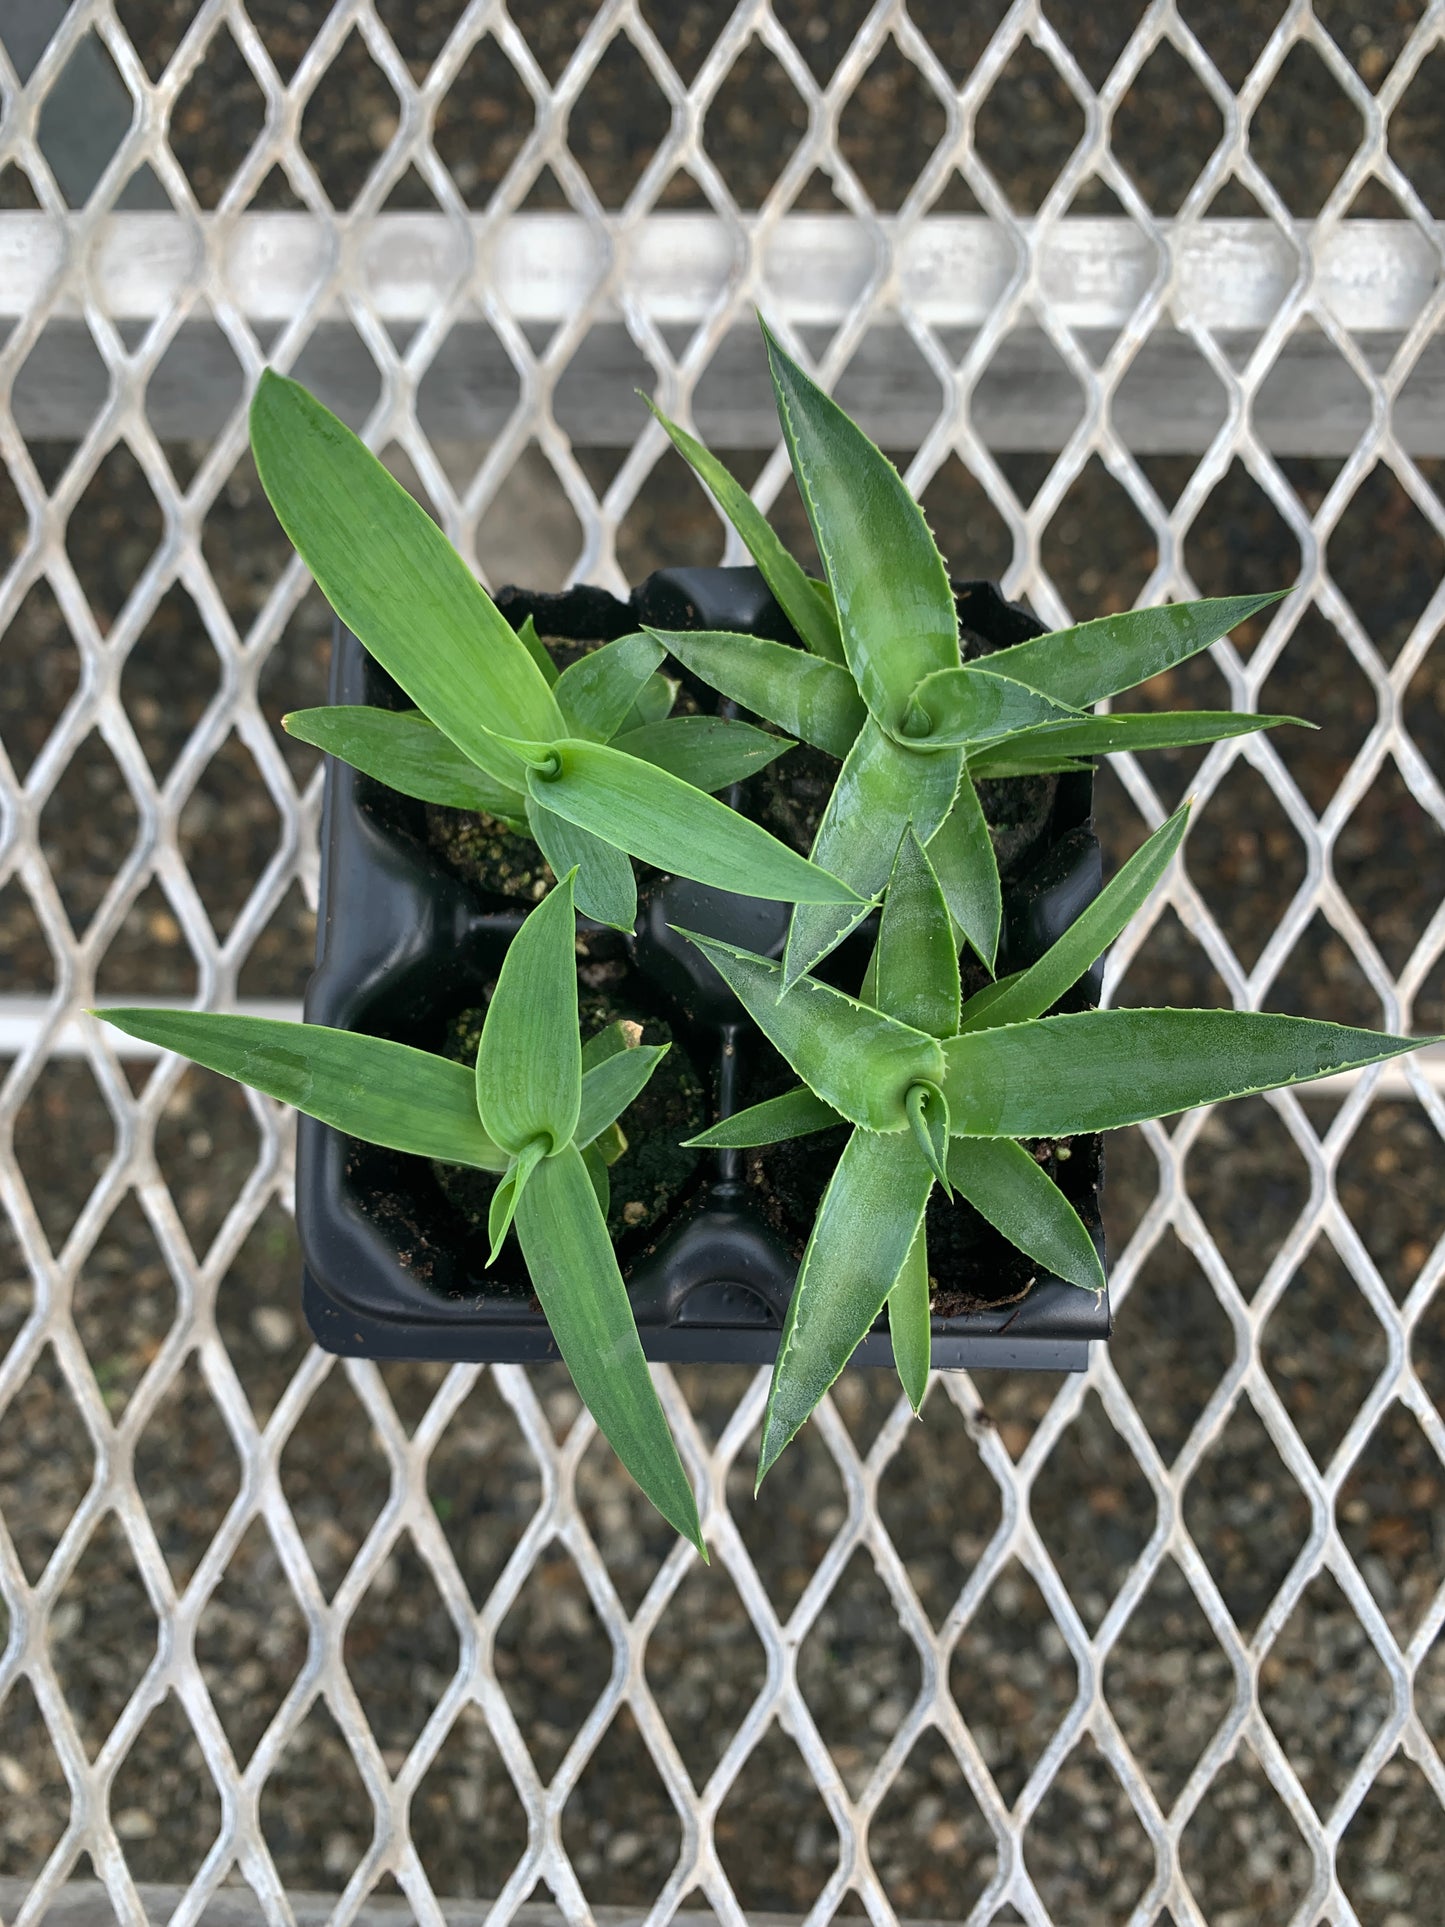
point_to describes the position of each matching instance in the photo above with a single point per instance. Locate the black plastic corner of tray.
(400, 940)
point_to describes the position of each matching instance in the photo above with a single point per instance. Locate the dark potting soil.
(654, 1172)
(486, 854)
(971, 1267)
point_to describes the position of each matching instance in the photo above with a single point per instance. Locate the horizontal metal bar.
(85, 1903)
(951, 269)
(1170, 402)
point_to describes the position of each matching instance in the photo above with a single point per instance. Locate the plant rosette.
(418, 904)
(877, 966)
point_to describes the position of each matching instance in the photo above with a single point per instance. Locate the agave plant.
(880, 682)
(938, 1090)
(943, 1091)
(587, 760)
(539, 1110)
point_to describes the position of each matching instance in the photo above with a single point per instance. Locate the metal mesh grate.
(972, 329)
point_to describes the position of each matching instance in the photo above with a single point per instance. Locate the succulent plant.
(937, 1089)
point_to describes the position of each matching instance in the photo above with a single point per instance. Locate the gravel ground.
(1167, 1681)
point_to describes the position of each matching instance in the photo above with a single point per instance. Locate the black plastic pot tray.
(391, 1269)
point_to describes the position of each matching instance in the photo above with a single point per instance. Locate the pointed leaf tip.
(861, 1239)
(529, 1063)
(927, 1109)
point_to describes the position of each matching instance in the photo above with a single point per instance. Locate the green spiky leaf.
(962, 855)
(865, 1228)
(880, 789)
(1093, 660)
(1004, 1184)
(1101, 1069)
(1031, 992)
(812, 699)
(895, 605)
(971, 703)
(815, 621)
(794, 1114)
(855, 1059)
(916, 976)
(1130, 730)
(910, 1321)
(927, 1109)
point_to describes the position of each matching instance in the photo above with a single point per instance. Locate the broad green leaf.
(574, 1273)
(895, 605)
(962, 854)
(654, 701)
(508, 1194)
(608, 1041)
(996, 760)
(807, 696)
(859, 1245)
(407, 752)
(537, 650)
(597, 692)
(710, 752)
(529, 1062)
(1003, 1184)
(917, 965)
(854, 1058)
(880, 788)
(794, 1114)
(1083, 665)
(666, 822)
(1101, 1069)
(394, 579)
(910, 1321)
(815, 623)
(927, 1109)
(1040, 987)
(972, 704)
(1135, 730)
(605, 888)
(610, 1142)
(383, 1093)
(609, 1087)
(595, 1164)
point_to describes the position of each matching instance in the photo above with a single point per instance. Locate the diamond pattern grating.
(243, 1379)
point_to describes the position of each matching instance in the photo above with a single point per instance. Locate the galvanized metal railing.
(1252, 340)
